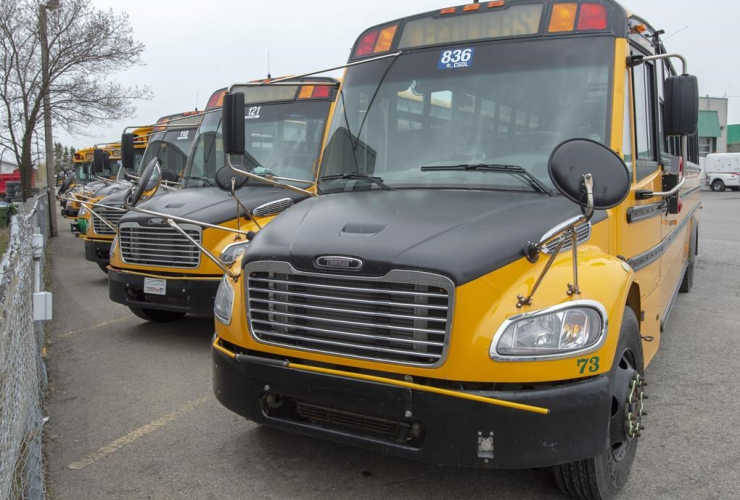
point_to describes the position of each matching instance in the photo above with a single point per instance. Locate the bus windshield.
(510, 106)
(171, 148)
(80, 172)
(282, 140)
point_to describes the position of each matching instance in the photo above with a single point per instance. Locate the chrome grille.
(583, 232)
(403, 317)
(273, 208)
(159, 246)
(112, 216)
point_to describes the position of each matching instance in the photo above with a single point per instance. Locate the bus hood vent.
(273, 207)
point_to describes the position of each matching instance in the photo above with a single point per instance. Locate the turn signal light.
(471, 7)
(315, 92)
(592, 17)
(497, 3)
(306, 92)
(385, 39)
(448, 10)
(376, 41)
(563, 17)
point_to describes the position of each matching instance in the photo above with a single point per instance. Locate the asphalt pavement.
(132, 414)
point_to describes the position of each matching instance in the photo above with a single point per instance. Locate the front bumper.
(194, 297)
(417, 424)
(69, 213)
(97, 251)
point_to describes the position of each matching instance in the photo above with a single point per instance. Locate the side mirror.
(578, 166)
(226, 178)
(232, 119)
(147, 186)
(86, 169)
(169, 175)
(100, 161)
(127, 152)
(681, 105)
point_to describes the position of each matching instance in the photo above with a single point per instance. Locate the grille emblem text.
(338, 262)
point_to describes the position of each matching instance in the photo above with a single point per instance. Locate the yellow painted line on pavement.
(95, 327)
(136, 434)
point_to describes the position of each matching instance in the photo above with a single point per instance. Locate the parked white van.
(722, 171)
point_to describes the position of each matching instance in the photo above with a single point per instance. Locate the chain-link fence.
(22, 368)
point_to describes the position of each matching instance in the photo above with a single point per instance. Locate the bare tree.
(86, 46)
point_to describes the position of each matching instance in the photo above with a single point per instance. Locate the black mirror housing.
(127, 152)
(232, 119)
(575, 158)
(169, 175)
(681, 105)
(100, 161)
(225, 177)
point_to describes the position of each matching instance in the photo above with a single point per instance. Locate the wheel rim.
(628, 408)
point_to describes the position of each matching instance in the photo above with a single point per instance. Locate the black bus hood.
(209, 204)
(460, 234)
(112, 189)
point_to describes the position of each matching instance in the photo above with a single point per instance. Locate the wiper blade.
(357, 175)
(203, 179)
(515, 170)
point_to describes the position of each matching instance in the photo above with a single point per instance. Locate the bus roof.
(188, 119)
(499, 19)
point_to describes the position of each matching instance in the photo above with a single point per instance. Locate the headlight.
(83, 211)
(233, 252)
(224, 303)
(113, 246)
(560, 331)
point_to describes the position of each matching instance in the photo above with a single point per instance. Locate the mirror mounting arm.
(266, 180)
(208, 254)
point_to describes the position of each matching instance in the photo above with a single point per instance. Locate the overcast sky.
(194, 48)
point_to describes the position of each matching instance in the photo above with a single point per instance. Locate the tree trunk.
(26, 166)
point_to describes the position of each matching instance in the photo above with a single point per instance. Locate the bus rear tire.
(718, 186)
(155, 315)
(603, 477)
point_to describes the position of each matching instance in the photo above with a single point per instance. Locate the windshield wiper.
(514, 170)
(206, 180)
(357, 175)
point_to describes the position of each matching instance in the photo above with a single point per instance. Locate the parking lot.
(132, 415)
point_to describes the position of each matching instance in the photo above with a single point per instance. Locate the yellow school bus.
(508, 208)
(83, 182)
(95, 231)
(159, 273)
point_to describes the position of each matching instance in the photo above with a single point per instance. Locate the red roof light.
(592, 17)
(367, 44)
(321, 92)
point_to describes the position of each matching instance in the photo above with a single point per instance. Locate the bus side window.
(644, 78)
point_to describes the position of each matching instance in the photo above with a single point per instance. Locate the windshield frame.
(606, 52)
(325, 118)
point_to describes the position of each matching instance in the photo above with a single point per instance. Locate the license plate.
(155, 286)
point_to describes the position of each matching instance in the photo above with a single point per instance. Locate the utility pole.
(50, 5)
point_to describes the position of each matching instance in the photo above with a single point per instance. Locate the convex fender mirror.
(577, 163)
(148, 184)
(229, 181)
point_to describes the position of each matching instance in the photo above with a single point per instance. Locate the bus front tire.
(603, 477)
(155, 315)
(718, 186)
